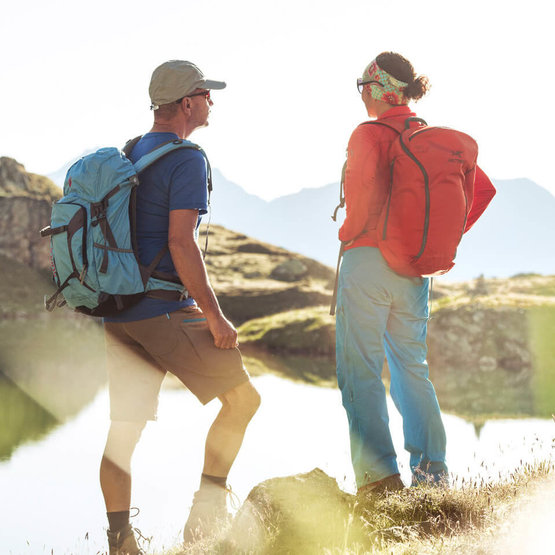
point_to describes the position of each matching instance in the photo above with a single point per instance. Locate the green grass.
(521, 291)
(307, 330)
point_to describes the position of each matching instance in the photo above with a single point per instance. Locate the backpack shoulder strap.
(130, 145)
(161, 150)
(398, 126)
(342, 182)
(165, 148)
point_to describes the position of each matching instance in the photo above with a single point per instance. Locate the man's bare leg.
(223, 442)
(226, 434)
(115, 468)
(115, 481)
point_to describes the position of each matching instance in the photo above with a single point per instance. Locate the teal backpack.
(94, 253)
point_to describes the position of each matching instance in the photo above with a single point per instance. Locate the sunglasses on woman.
(361, 83)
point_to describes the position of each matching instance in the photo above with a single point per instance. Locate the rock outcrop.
(25, 205)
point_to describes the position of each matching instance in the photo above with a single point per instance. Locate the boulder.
(290, 270)
(293, 514)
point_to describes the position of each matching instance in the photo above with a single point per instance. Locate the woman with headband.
(380, 312)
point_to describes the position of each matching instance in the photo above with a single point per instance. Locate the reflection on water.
(49, 370)
(515, 374)
(477, 396)
(313, 370)
(22, 418)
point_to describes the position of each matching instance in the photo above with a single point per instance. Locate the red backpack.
(430, 196)
(431, 188)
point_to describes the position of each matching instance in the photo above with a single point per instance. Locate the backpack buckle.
(99, 218)
(48, 303)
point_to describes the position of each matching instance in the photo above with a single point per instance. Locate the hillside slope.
(253, 279)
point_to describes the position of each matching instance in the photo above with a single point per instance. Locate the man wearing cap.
(191, 338)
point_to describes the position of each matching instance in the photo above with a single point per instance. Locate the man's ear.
(185, 104)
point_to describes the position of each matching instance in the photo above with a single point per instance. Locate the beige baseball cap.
(175, 79)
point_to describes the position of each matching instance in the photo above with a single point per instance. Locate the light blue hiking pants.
(382, 313)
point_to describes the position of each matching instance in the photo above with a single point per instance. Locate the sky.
(75, 77)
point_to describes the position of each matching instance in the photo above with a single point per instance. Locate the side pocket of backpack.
(70, 257)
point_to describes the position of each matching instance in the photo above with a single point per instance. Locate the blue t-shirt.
(177, 181)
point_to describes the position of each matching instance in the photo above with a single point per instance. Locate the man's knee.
(126, 432)
(122, 440)
(242, 400)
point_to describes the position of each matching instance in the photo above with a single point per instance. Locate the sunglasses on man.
(206, 95)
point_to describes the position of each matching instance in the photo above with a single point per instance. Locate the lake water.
(51, 500)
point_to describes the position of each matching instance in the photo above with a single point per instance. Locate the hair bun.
(400, 68)
(416, 89)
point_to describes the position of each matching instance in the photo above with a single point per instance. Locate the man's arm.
(189, 264)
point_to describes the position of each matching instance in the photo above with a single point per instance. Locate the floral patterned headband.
(382, 85)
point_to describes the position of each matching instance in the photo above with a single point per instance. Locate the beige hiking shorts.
(140, 353)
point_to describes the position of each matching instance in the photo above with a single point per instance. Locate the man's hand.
(223, 331)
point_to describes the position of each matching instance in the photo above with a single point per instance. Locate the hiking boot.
(123, 542)
(209, 514)
(383, 486)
